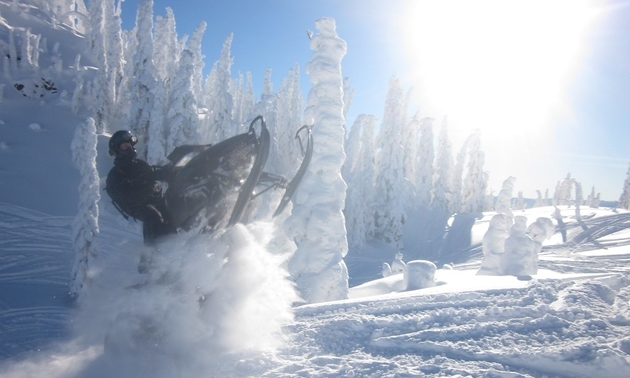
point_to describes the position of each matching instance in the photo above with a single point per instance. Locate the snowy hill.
(222, 306)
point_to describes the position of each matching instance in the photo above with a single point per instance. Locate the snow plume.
(207, 301)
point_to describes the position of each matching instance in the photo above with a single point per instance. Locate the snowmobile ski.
(307, 154)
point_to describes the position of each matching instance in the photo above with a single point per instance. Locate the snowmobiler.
(210, 187)
(132, 186)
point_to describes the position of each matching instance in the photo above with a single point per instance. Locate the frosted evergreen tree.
(143, 83)
(547, 200)
(365, 178)
(351, 172)
(194, 46)
(556, 194)
(593, 199)
(458, 176)
(317, 223)
(96, 42)
(360, 209)
(443, 169)
(579, 199)
(563, 191)
(426, 157)
(390, 204)
(267, 86)
(237, 90)
(539, 199)
(504, 201)
(71, 13)
(125, 96)
(352, 148)
(182, 109)
(115, 62)
(520, 201)
(476, 181)
(249, 98)
(624, 199)
(166, 53)
(288, 118)
(77, 95)
(410, 137)
(218, 123)
(85, 229)
(158, 149)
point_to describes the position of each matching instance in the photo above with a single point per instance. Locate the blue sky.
(546, 82)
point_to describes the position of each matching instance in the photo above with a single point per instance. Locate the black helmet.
(119, 138)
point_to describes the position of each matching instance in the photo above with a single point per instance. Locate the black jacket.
(132, 184)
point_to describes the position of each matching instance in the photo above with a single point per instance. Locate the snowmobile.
(216, 186)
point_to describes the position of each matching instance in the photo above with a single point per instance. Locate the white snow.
(223, 305)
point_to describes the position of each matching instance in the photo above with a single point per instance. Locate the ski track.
(542, 330)
(35, 260)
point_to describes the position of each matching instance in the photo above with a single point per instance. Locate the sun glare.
(498, 66)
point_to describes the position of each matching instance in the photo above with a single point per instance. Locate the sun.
(498, 66)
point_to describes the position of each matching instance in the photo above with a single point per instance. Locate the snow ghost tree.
(398, 265)
(520, 257)
(85, 229)
(317, 223)
(624, 199)
(562, 196)
(540, 230)
(493, 245)
(504, 201)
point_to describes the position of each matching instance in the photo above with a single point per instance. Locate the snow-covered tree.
(443, 170)
(194, 45)
(563, 191)
(317, 223)
(183, 121)
(114, 55)
(520, 201)
(288, 104)
(624, 199)
(158, 147)
(503, 204)
(217, 125)
(539, 199)
(96, 42)
(458, 177)
(390, 204)
(352, 147)
(358, 172)
(85, 229)
(143, 83)
(410, 136)
(593, 199)
(476, 180)
(426, 157)
(579, 199)
(166, 53)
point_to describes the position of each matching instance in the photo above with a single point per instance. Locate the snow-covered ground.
(222, 306)
(571, 320)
